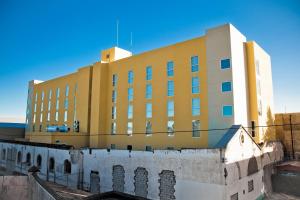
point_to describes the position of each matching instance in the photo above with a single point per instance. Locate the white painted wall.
(218, 47)
(239, 76)
(199, 173)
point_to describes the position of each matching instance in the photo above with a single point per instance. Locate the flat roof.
(12, 125)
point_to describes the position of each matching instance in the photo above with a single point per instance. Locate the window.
(258, 87)
(43, 95)
(113, 112)
(66, 116)
(225, 63)
(114, 96)
(170, 68)
(227, 111)
(130, 111)
(34, 107)
(34, 116)
(48, 116)
(148, 91)
(114, 79)
(250, 186)
(130, 94)
(49, 105)
(257, 67)
(113, 128)
(42, 107)
(148, 148)
(260, 107)
(56, 116)
(51, 164)
(130, 77)
(195, 85)
(67, 167)
(57, 92)
(57, 104)
(39, 161)
(112, 146)
(195, 106)
(148, 128)
(66, 103)
(41, 117)
(129, 128)
(149, 73)
(226, 86)
(50, 94)
(36, 97)
(170, 108)
(148, 110)
(196, 128)
(194, 64)
(170, 88)
(170, 127)
(67, 90)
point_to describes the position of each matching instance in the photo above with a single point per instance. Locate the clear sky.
(49, 38)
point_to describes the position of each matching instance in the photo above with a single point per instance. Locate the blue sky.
(45, 39)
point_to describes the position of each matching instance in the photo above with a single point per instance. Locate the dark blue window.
(225, 63)
(226, 87)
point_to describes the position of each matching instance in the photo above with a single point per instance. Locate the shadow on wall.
(270, 134)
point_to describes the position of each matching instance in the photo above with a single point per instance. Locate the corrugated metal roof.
(227, 136)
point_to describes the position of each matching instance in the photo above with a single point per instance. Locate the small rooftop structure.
(113, 54)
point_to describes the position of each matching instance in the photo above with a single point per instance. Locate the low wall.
(14, 187)
(39, 190)
(287, 183)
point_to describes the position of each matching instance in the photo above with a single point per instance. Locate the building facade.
(180, 96)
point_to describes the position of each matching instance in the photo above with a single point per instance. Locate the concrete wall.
(197, 172)
(11, 133)
(14, 187)
(207, 173)
(286, 183)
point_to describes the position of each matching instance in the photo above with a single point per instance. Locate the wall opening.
(167, 183)
(19, 157)
(28, 159)
(252, 166)
(94, 182)
(51, 164)
(118, 178)
(141, 182)
(67, 167)
(39, 161)
(3, 155)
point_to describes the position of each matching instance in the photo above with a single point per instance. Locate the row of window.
(170, 128)
(225, 87)
(224, 64)
(66, 104)
(227, 110)
(170, 71)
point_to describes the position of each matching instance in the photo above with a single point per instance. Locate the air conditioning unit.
(52, 129)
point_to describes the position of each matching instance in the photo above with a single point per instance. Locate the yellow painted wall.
(180, 54)
(257, 56)
(82, 79)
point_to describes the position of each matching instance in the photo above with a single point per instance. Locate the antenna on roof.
(131, 40)
(117, 32)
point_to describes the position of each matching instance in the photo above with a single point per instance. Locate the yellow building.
(157, 99)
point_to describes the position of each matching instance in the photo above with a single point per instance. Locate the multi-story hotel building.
(184, 95)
